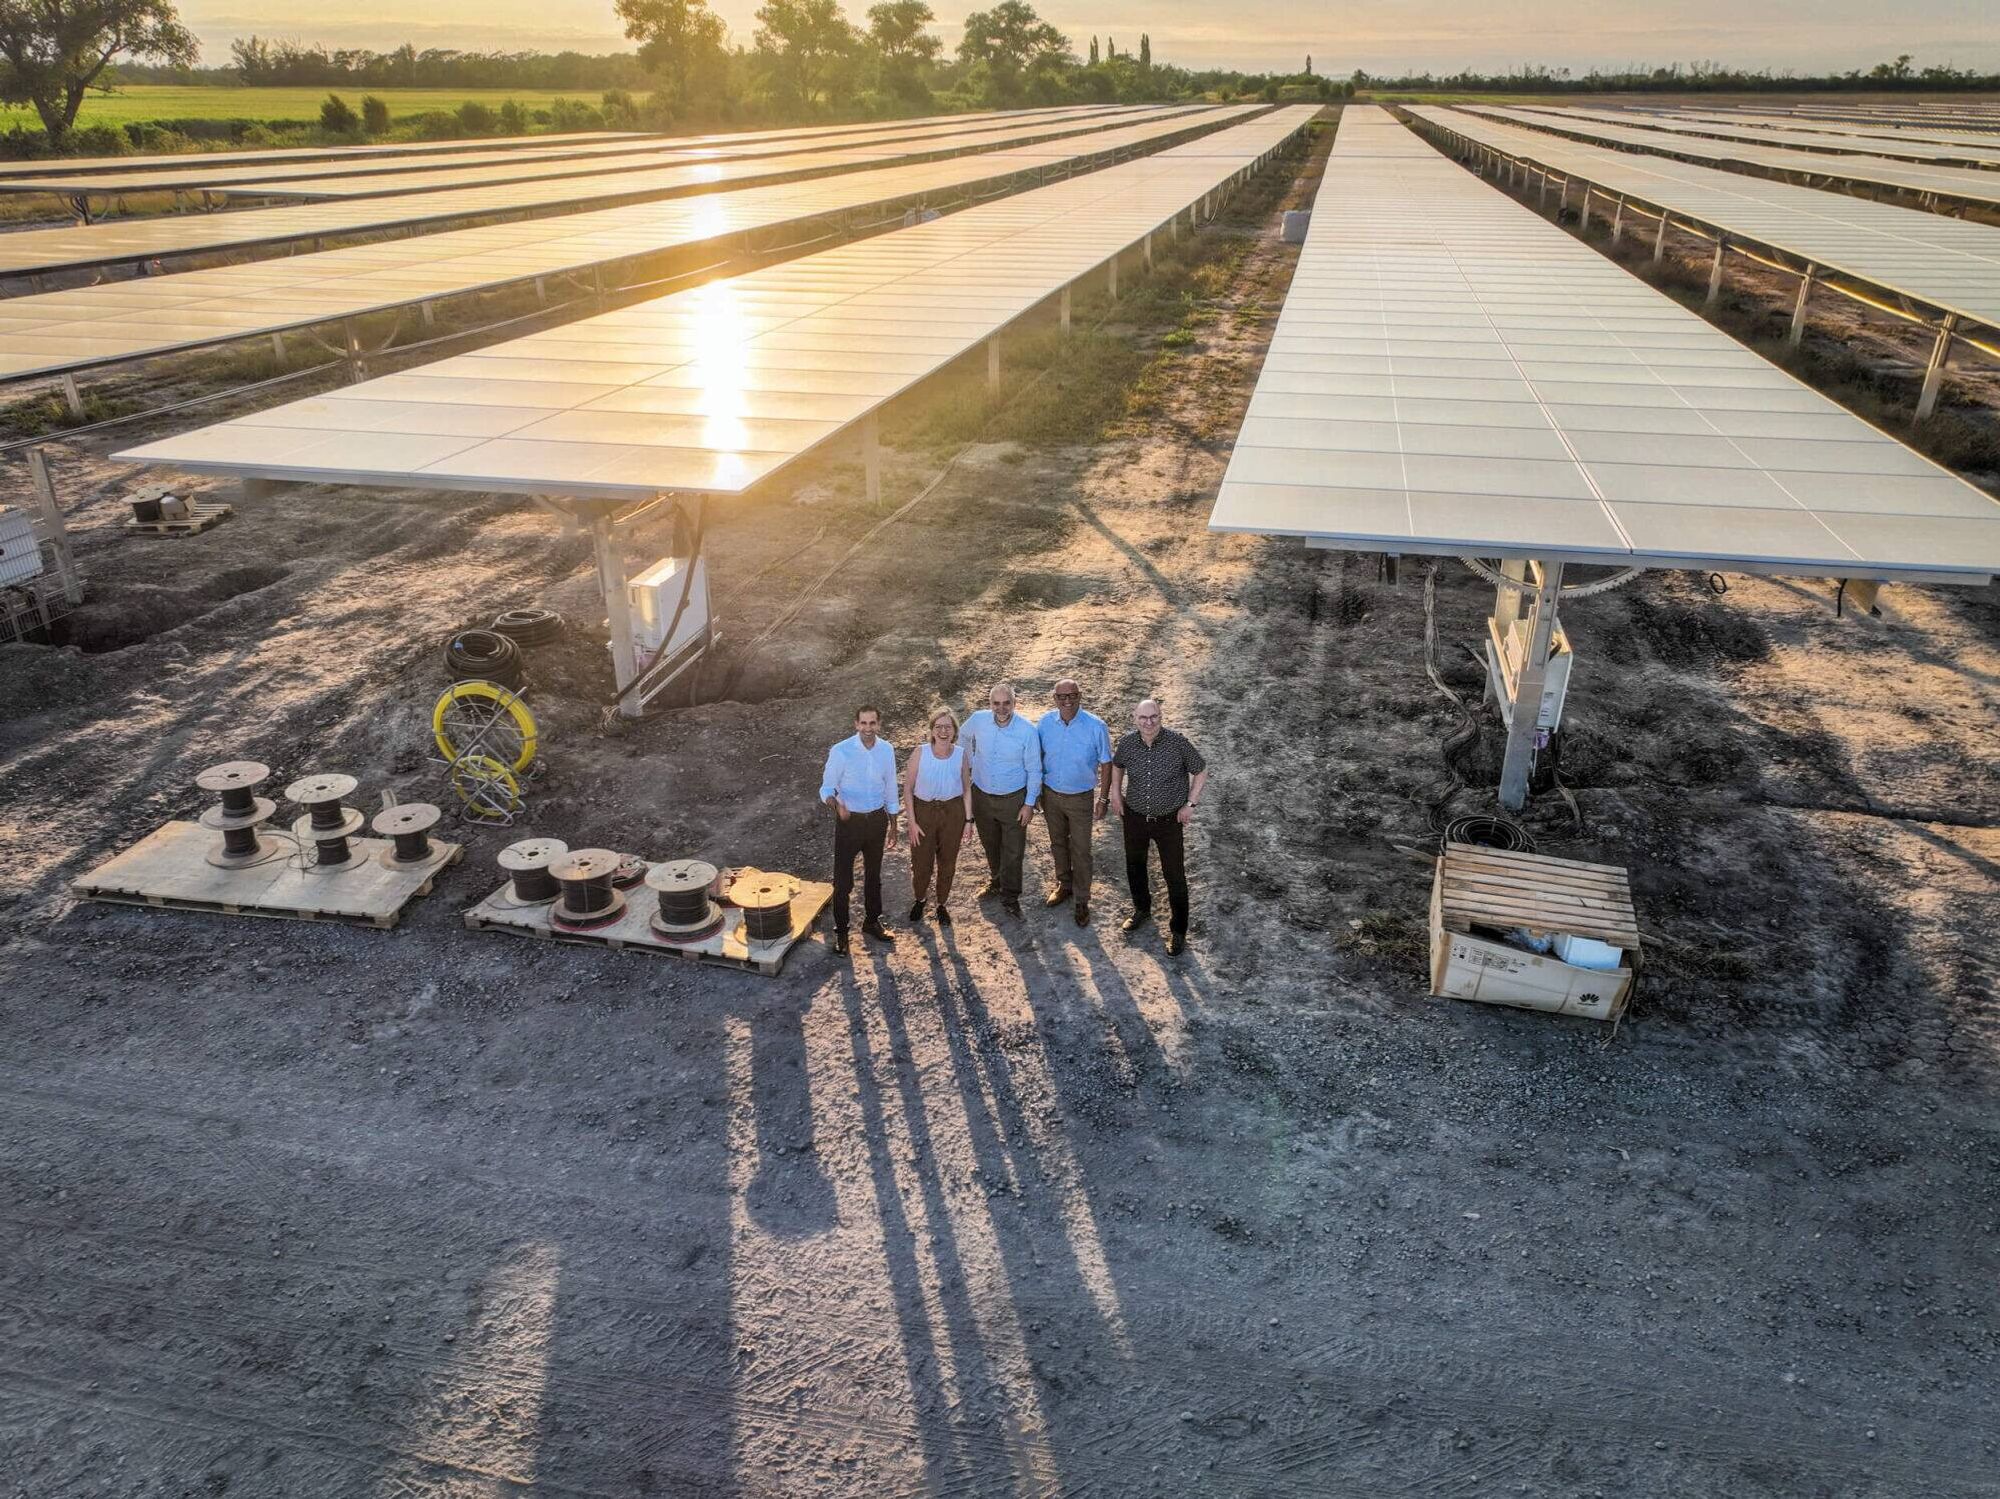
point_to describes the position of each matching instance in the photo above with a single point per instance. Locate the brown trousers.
(1068, 815)
(943, 826)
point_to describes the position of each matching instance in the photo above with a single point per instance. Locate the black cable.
(483, 656)
(529, 626)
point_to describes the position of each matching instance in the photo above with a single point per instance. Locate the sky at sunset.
(1386, 36)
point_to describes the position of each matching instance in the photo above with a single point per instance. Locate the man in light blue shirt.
(1076, 779)
(1006, 757)
(859, 783)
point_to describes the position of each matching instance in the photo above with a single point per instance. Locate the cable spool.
(529, 626)
(588, 901)
(630, 873)
(240, 812)
(527, 865)
(482, 655)
(1488, 832)
(766, 903)
(408, 826)
(687, 912)
(328, 822)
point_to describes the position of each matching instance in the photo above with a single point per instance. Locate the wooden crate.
(1489, 889)
(169, 867)
(633, 931)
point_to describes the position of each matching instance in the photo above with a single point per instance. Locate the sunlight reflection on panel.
(484, 1415)
(721, 336)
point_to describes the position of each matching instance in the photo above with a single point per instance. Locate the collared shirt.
(1073, 751)
(1004, 760)
(864, 779)
(1157, 774)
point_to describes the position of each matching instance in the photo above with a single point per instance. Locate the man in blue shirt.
(859, 783)
(1076, 779)
(1006, 757)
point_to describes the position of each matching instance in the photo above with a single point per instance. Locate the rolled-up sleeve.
(829, 781)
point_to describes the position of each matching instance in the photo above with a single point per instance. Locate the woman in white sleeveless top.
(937, 799)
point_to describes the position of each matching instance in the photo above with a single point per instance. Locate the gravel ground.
(1024, 1209)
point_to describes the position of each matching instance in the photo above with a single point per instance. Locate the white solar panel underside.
(53, 332)
(37, 250)
(1951, 264)
(1829, 130)
(69, 166)
(222, 172)
(1452, 374)
(1891, 147)
(716, 388)
(1973, 183)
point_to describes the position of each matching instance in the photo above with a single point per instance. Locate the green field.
(165, 101)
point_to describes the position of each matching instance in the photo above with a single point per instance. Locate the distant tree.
(513, 118)
(1010, 35)
(1093, 51)
(475, 118)
(374, 115)
(903, 46)
(677, 38)
(1145, 52)
(337, 116)
(53, 52)
(1110, 48)
(1309, 65)
(807, 48)
(1895, 71)
(1271, 92)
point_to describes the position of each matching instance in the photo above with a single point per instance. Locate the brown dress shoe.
(1056, 896)
(1176, 944)
(1082, 914)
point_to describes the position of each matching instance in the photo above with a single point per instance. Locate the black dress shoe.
(943, 917)
(879, 932)
(1176, 944)
(1082, 914)
(917, 911)
(840, 943)
(1012, 906)
(1056, 896)
(1136, 920)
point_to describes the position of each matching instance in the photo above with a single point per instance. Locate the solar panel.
(1453, 374)
(1951, 264)
(379, 172)
(1936, 132)
(1968, 184)
(108, 165)
(66, 331)
(715, 388)
(39, 251)
(1880, 141)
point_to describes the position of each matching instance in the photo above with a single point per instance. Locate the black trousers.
(861, 833)
(1142, 833)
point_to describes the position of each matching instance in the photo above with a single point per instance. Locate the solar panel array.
(1451, 373)
(1826, 130)
(53, 332)
(34, 251)
(1951, 264)
(716, 388)
(379, 175)
(109, 165)
(1972, 184)
(1888, 146)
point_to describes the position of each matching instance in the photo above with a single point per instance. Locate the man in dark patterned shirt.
(1157, 778)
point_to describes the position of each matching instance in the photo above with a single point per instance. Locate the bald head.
(1146, 718)
(1069, 697)
(1000, 698)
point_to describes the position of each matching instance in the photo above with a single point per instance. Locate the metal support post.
(428, 312)
(1715, 272)
(1063, 305)
(1660, 239)
(51, 528)
(1618, 222)
(1526, 709)
(992, 364)
(871, 456)
(1583, 227)
(618, 610)
(350, 336)
(1934, 371)
(72, 397)
(1542, 197)
(541, 290)
(1798, 331)
(278, 347)
(1112, 277)
(1148, 252)
(1563, 206)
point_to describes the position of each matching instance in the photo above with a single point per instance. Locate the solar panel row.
(71, 165)
(1451, 373)
(1950, 264)
(714, 389)
(40, 251)
(1887, 146)
(1964, 184)
(1826, 130)
(55, 332)
(378, 173)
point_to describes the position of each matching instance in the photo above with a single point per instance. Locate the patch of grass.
(1053, 392)
(42, 414)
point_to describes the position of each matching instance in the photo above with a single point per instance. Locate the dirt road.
(296, 1210)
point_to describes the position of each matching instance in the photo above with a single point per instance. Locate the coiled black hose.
(529, 626)
(1483, 831)
(485, 656)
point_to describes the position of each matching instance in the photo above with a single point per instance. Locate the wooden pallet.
(169, 868)
(633, 931)
(200, 518)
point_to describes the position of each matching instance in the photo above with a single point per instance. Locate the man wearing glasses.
(1157, 777)
(1006, 783)
(1076, 780)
